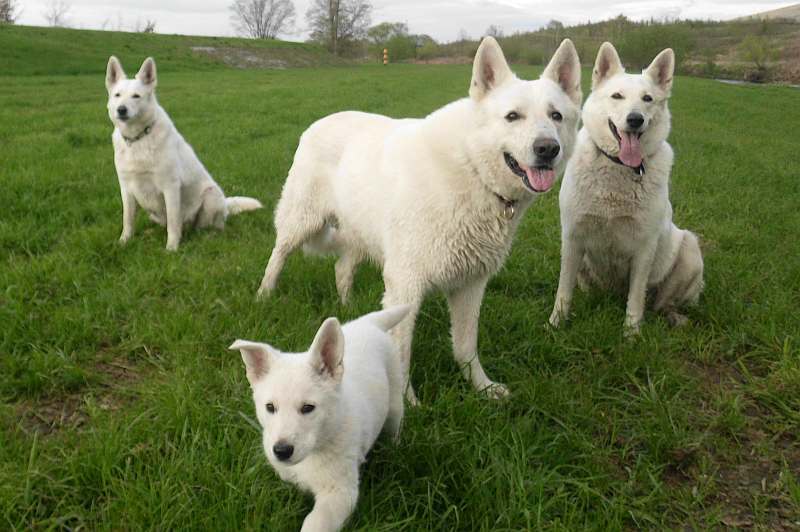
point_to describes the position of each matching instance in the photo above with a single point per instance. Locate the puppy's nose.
(122, 110)
(635, 120)
(282, 451)
(546, 148)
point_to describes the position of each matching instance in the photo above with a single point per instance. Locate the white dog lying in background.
(322, 410)
(435, 201)
(616, 218)
(156, 167)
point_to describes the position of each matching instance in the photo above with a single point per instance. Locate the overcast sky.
(442, 19)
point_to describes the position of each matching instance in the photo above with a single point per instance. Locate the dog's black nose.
(283, 451)
(122, 110)
(635, 120)
(546, 148)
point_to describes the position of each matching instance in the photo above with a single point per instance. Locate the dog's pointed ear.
(662, 69)
(565, 69)
(147, 74)
(114, 72)
(606, 65)
(489, 70)
(327, 350)
(256, 358)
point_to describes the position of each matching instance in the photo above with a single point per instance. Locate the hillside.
(31, 50)
(783, 13)
(753, 49)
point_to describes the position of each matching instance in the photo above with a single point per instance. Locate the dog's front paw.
(631, 329)
(496, 390)
(172, 246)
(123, 238)
(556, 319)
(262, 293)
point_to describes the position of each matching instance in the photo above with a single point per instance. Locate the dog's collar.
(509, 206)
(639, 170)
(146, 131)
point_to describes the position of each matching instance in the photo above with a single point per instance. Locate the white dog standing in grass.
(435, 201)
(156, 167)
(616, 217)
(322, 410)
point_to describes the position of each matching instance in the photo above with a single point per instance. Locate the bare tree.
(56, 13)
(8, 11)
(149, 26)
(494, 31)
(262, 19)
(338, 22)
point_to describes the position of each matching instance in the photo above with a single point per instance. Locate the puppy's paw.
(123, 239)
(172, 246)
(496, 391)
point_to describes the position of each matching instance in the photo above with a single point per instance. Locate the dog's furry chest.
(475, 243)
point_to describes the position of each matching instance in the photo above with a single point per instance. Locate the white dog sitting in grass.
(322, 410)
(156, 167)
(616, 217)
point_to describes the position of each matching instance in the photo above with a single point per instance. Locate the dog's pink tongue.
(630, 152)
(541, 179)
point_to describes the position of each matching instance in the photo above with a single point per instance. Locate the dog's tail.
(388, 318)
(236, 204)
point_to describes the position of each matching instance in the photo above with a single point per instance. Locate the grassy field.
(121, 409)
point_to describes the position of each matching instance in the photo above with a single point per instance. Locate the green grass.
(28, 50)
(121, 409)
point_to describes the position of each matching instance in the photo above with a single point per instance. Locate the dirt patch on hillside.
(265, 58)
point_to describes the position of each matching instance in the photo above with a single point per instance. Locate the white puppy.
(616, 218)
(156, 167)
(435, 201)
(322, 410)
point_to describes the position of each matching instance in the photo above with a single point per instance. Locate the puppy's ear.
(565, 69)
(327, 350)
(114, 72)
(147, 74)
(256, 359)
(606, 65)
(661, 70)
(489, 70)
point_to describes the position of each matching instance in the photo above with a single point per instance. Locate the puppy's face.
(130, 101)
(296, 395)
(627, 115)
(526, 128)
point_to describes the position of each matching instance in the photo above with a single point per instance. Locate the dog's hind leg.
(212, 209)
(345, 270)
(465, 308)
(298, 217)
(684, 283)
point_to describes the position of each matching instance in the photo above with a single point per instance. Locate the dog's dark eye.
(555, 115)
(136, 96)
(307, 409)
(617, 96)
(116, 95)
(512, 116)
(647, 98)
(270, 408)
